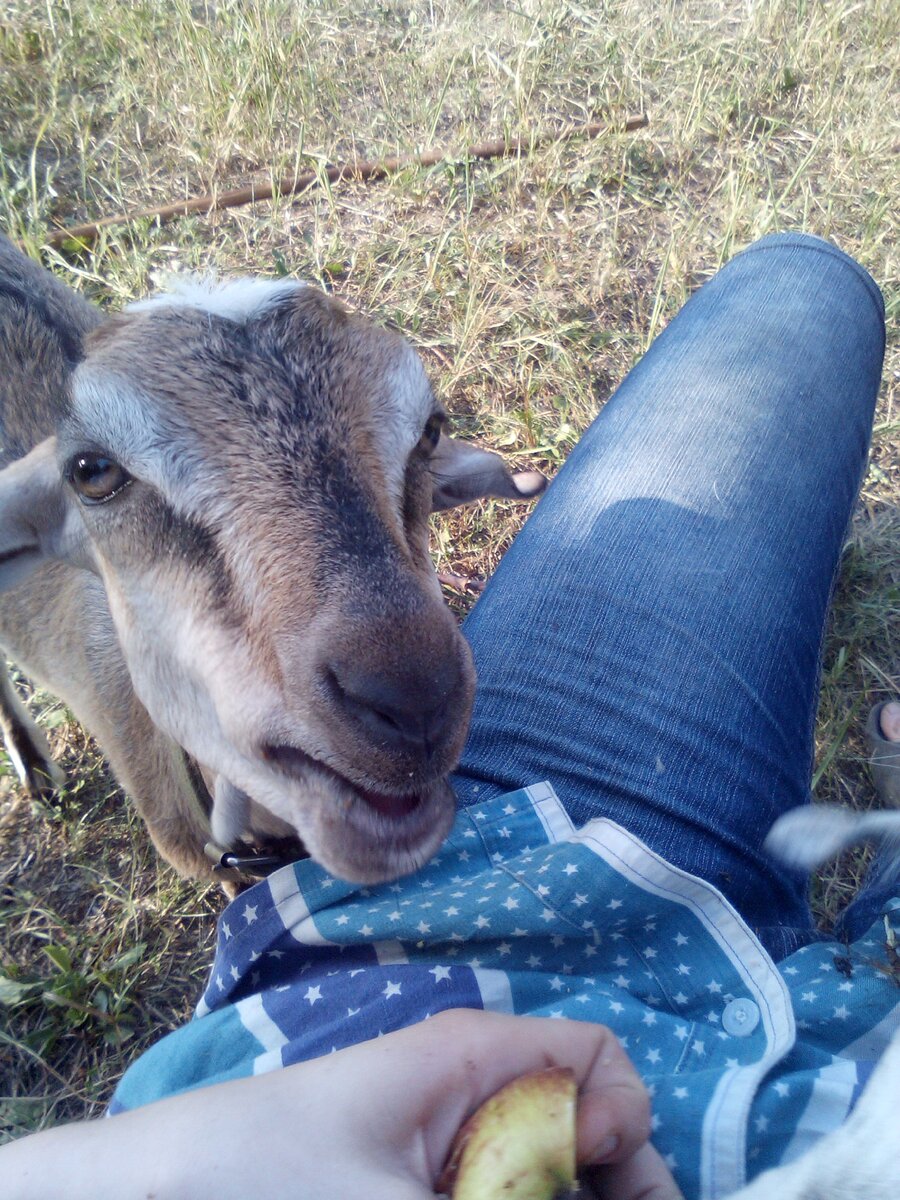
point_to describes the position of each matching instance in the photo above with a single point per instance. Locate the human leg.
(650, 644)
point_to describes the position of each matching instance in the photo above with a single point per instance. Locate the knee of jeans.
(791, 241)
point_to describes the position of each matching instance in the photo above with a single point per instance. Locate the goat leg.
(26, 745)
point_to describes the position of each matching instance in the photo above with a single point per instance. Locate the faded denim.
(651, 642)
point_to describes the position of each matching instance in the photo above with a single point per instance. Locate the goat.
(214, 547)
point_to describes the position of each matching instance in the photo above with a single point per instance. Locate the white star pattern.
(405, 931)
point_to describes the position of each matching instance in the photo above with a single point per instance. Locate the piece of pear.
(520, 1144)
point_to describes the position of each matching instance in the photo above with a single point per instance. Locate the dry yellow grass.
(530, 286)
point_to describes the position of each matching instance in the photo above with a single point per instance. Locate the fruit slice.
(519, 1145)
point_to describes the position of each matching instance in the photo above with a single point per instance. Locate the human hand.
(373, 1121)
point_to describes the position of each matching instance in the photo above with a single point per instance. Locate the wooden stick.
(356, 170)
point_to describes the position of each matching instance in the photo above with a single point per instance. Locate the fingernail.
(608, 1146)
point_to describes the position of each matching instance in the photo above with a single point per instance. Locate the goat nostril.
(400, 712)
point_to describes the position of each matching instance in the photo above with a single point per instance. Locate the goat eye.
(431, 433)
(97, 478)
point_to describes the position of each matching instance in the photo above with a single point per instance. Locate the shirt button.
(740, 1018)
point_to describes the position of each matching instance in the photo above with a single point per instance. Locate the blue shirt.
(747, 1062)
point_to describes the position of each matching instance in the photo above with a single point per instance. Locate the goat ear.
(462, 473)
(38, 519)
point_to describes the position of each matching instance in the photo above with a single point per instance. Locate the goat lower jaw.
(363, 845)
(360, 834)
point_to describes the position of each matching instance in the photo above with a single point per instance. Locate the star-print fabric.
(747, 1063)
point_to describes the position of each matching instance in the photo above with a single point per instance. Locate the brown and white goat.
(214, 547)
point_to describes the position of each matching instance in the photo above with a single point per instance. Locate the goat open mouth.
(297, 763)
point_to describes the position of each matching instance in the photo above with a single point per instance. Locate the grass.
(529, 285)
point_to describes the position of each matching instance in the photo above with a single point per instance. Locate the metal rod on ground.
(378, 169)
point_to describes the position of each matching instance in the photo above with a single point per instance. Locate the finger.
(644, 1176)
(613, 1105)
(484, 1051)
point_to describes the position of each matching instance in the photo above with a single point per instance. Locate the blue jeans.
(651, 642)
